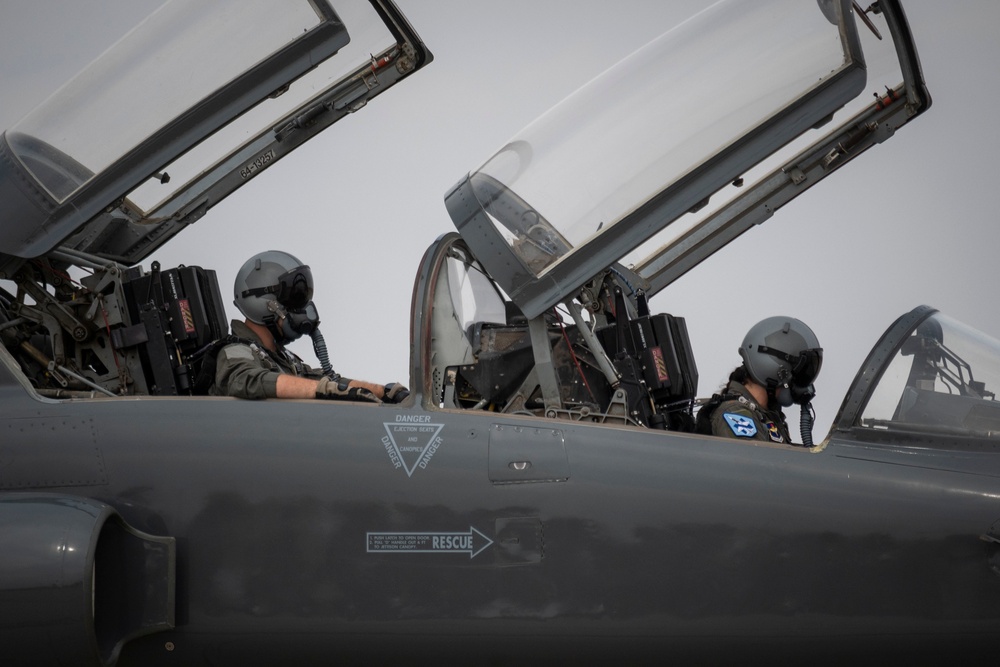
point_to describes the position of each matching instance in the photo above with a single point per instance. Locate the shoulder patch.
(742, 426)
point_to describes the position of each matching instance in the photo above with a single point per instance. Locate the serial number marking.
(257, 164)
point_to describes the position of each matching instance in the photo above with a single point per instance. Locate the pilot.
(274, 291)
(781, 360)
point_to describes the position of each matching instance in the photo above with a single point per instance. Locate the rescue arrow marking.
(472, 542)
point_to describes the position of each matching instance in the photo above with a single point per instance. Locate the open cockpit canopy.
(186, 108)
(704, 132)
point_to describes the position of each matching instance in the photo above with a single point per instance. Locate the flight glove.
(395, 393)
(340, 390)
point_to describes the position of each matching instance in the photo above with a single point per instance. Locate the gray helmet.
(271, 288)
(783, 354)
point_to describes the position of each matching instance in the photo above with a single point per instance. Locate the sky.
(910, 222)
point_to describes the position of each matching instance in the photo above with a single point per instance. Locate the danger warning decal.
(411, 441)
(187, 316)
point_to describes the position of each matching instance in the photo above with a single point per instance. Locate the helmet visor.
(295, 288)
(804, 367)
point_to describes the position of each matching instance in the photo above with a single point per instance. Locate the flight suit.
(250, 371)
(742, 418)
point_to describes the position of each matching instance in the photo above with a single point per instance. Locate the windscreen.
(944, 378)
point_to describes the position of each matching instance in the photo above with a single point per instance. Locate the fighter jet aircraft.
(542, 496)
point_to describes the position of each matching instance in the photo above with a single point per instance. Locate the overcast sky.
(910, 222)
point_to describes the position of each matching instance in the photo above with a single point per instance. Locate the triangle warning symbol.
(414, 444)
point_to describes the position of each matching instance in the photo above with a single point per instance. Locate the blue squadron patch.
(773, 432)
(742, 425)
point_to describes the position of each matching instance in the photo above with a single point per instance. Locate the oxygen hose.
(806, 418)
(319, 347)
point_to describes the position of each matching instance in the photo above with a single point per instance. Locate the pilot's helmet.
(783, 354)
(271, 285)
